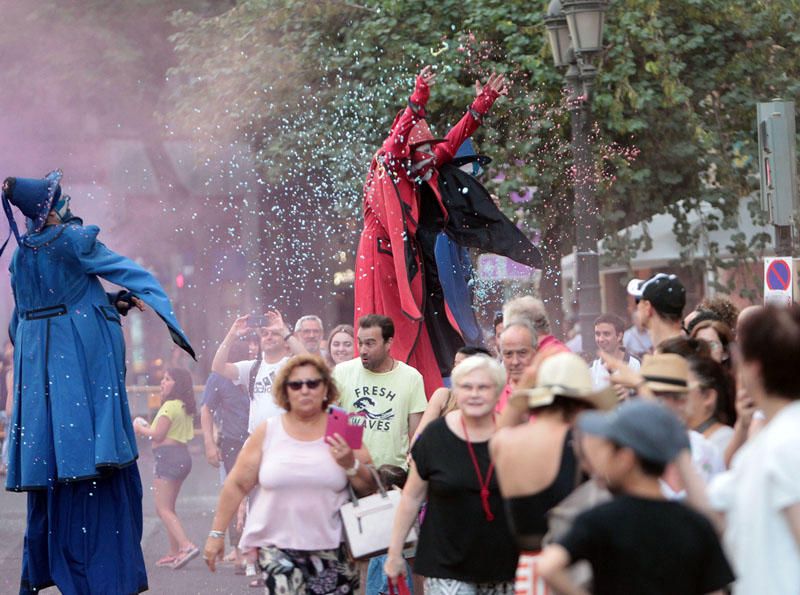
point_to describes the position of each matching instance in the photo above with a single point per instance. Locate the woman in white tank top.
(302, 480)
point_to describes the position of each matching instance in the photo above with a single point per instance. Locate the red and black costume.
(390, 279)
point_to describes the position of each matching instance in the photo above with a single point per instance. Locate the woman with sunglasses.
(301, 480)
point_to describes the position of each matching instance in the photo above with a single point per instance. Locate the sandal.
(167, 560)
(231, 557)
(185, 556)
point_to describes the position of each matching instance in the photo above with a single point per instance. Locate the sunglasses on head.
(298, 384)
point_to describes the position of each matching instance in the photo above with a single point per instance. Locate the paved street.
(195, 507)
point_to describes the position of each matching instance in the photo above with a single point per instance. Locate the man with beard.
(257, 375)
(309, 330)
(386, 394)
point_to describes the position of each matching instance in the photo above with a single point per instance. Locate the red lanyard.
(484, 484)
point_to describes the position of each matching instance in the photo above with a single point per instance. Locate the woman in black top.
(464, 542)
(535, 461)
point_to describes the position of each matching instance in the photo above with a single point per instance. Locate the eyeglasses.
(298, 384)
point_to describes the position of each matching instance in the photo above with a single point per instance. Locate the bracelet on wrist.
(216, 534)
(352, 471)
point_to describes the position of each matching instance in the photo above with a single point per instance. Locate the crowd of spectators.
(664, 462)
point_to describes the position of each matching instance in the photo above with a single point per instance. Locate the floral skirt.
(304, 572)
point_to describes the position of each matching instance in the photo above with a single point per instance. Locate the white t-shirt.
(707, 461)
(721, 438)
(764, 479)
(262, 405)
(600, 372)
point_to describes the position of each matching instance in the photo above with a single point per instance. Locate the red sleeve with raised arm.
(466, 126)
(396, 145)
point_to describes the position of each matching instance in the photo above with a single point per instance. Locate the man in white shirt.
(257, 375)
(608, 333)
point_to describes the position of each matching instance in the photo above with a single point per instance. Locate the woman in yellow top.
(171, 430)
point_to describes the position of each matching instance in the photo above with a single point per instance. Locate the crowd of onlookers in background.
(668, 461)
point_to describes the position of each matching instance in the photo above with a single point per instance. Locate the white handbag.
(368, 521)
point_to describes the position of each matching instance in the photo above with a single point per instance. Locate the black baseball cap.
(665, 292)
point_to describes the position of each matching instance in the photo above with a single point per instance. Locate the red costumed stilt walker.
(403, 173)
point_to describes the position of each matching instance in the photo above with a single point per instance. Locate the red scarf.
(483, 483)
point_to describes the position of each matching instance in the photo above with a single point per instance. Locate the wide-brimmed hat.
(565, 375)
(665, 292)
(665, 372)
(650, 429)
(466, 154)
(421, 134)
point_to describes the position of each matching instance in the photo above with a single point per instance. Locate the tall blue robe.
(71, 418)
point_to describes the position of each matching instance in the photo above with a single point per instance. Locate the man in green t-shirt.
(388, 395)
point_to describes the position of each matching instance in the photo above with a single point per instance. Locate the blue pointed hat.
(34, 197)
(466, 154)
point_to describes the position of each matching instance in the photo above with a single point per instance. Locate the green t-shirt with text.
(384, 402)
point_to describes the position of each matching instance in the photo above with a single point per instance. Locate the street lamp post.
(575, 33)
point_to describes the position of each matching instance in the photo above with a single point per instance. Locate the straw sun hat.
(565, 375)
(665, 372)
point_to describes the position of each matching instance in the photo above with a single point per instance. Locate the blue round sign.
(778, 275)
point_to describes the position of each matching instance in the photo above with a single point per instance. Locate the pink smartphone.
(339, 423)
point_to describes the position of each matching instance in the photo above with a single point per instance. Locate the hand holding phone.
(339, 423)
(256, 321)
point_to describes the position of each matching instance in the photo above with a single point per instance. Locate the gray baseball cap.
(651, 430)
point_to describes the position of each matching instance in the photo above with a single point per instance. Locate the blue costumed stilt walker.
(72, 446)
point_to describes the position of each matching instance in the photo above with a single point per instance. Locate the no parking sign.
(778, 281)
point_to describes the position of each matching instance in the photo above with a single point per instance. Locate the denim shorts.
(172, 462)
(376, 579)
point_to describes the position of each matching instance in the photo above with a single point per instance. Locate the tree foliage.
(313, 88)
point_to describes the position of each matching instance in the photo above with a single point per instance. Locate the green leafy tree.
(314, 87)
